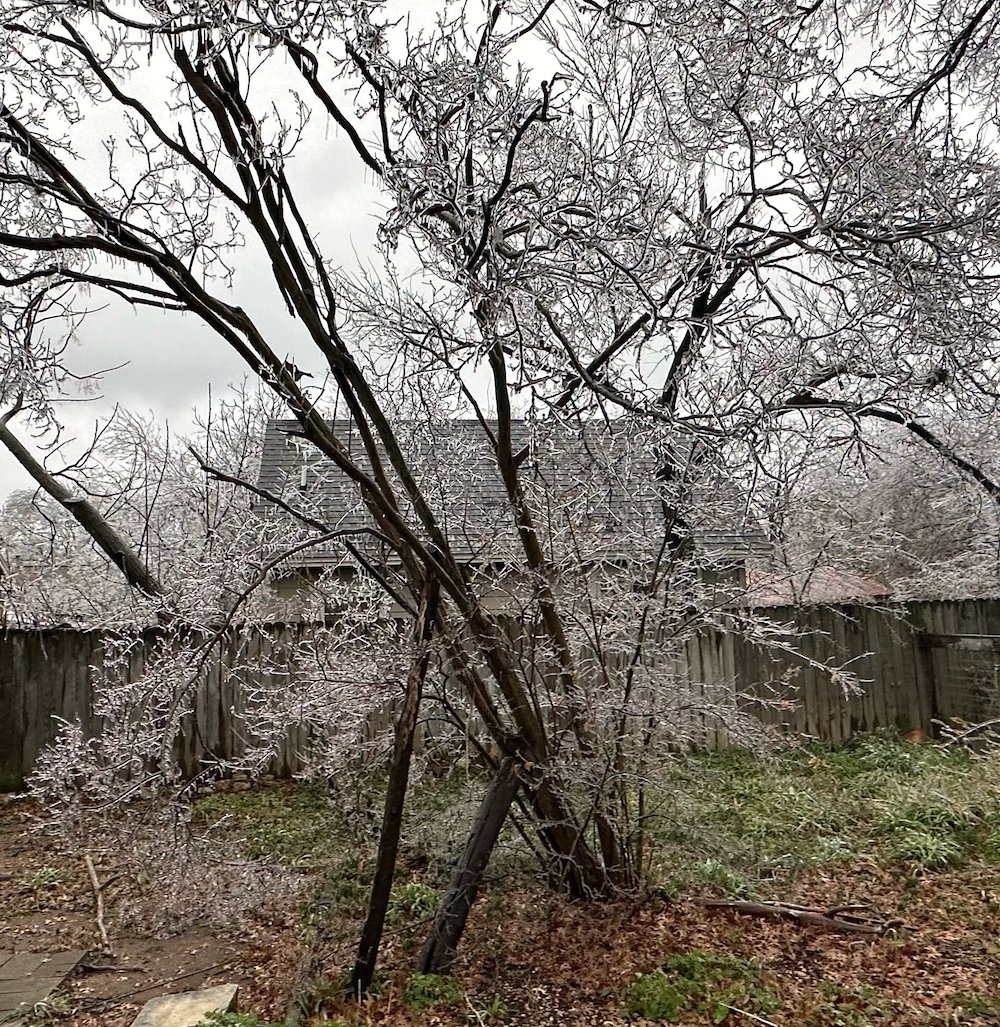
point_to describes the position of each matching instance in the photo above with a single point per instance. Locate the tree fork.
(449, 924)
(395, 797)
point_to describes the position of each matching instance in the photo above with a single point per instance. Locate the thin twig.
(752, 1016)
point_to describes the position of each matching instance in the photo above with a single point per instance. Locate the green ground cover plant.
(972, 1006)
(700, 982)
(424, 991)
(847, 1006)
(218, 1018)
(733, 823)
(413, 901)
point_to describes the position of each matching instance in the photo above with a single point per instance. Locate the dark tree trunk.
(118, 551)
(395, 797)
(439, 952)
(574, 867)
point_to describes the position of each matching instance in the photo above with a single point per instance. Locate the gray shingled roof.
(596, 482)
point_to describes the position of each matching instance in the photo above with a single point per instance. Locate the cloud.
(170, 360)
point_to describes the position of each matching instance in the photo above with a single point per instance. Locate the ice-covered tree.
(721, 230)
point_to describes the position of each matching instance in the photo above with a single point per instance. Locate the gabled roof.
(596, 487)
(817, 585)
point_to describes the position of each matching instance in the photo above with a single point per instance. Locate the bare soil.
(47, 904)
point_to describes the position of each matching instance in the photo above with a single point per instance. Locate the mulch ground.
(547, 960)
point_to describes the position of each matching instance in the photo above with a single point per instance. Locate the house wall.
(916, 662)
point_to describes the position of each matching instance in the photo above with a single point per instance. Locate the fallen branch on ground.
(91, 968)
(850, 919)
(99, 898)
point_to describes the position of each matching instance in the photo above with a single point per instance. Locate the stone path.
(30, 977)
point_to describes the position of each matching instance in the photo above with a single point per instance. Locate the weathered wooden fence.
(916, 662)
(49, 675)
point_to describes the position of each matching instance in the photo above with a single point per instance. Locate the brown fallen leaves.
(531, 958)
(552, 962)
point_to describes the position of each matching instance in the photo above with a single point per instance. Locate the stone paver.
(30, 977)
(186, 1008)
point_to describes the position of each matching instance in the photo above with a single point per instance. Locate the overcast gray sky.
(171, 359)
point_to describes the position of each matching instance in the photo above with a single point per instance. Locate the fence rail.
(916, 662)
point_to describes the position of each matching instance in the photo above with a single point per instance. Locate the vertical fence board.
(920, 669)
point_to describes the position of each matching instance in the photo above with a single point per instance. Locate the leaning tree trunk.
(94, 523)
(450, 921)
(395, 797)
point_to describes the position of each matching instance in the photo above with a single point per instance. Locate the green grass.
(295, 825)
(735, 822)
(492, 1010)
(43, 877)
(303, 827)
